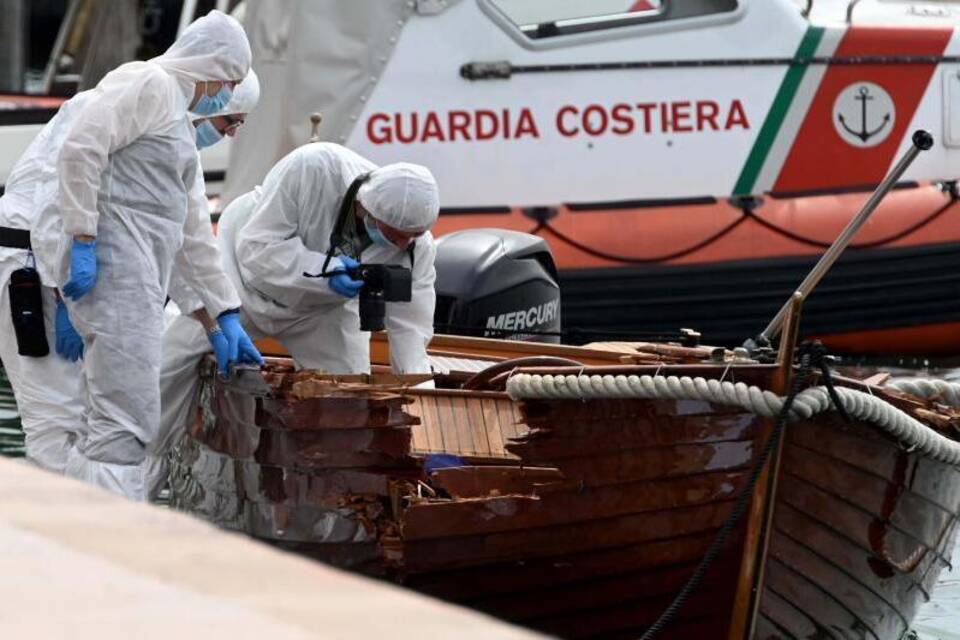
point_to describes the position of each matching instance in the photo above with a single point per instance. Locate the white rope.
(948, 392)
(808, 403)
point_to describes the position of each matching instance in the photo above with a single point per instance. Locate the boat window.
(543, 19)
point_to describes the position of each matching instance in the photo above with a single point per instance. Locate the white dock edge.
(78, 562)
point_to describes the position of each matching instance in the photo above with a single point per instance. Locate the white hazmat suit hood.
(214, 47)
(274, 234)
(245, 97)
(402, 195)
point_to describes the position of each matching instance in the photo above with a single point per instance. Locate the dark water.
(11, 437)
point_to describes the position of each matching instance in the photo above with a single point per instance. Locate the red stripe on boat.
(820, 158)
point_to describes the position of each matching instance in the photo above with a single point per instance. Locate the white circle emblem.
(864, 114)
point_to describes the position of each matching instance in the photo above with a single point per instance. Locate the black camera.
(382, 283)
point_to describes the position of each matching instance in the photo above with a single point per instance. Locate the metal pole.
(14, 41)
(54, 62)
(186, 15)
(921, 142)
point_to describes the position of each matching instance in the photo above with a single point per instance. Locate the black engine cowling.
(497, 284)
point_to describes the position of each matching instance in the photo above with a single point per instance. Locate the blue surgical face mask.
(375, 234)
(209, 105)
(207, 135)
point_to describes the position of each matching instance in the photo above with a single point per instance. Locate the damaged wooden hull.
(644, 487)
(578, 518)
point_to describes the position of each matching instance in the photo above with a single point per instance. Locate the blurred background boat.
(686, 162)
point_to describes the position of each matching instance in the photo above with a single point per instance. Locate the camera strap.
(346, 209)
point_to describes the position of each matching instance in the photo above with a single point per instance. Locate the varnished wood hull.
(601, 553)
(581, 519)
(861, 531)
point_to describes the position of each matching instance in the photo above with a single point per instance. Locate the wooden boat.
(584, 517)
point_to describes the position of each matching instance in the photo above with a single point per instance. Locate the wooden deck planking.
(462, 425)
(490, 416)
(420, 433)
(457, 408)
(449, 438)
(510, 421)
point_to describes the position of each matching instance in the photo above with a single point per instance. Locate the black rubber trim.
(29, 115)
(465, 211)
(641, 204)
(731, 301)
(591, 206)
(828, 191)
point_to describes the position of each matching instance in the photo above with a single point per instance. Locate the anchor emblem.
(856, 114)
(863, 134)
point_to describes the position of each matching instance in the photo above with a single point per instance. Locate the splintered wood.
(313, 385)
(473, 425)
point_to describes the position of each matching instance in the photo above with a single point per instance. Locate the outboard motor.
(497, 283)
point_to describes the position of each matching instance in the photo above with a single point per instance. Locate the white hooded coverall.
(128, 174)
(268, 238)
(50, 390)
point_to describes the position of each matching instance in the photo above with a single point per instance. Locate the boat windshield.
(538, 19)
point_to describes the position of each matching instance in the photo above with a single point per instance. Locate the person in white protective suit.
(270, 236)
(49, 389)
(125, 216)
(211, 129)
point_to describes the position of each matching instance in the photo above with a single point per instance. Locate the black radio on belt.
(26, 299)
(26, 307)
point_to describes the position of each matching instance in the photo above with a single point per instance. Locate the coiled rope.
(808, 403)
(946, 392)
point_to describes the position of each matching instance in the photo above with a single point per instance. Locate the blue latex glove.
(69, 342)
(240, 347)
(342, 283)
(221, 349)
(83, 269)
